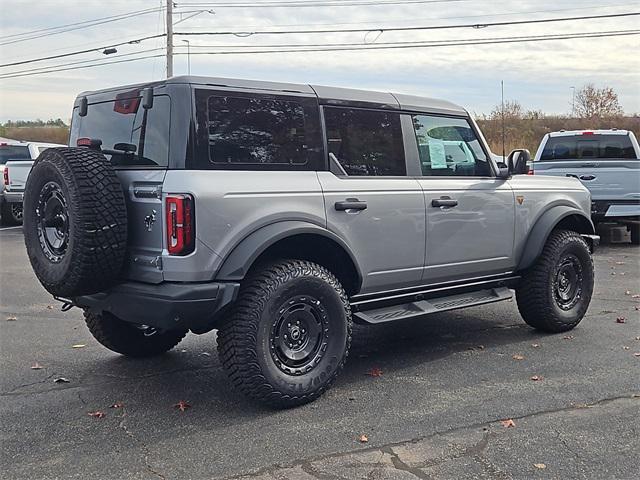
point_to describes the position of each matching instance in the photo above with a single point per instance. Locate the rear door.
(136, 140)
(470, 212)
(369, 200)
(606, 163)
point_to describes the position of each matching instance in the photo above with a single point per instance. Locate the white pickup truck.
(16, 160)
(607, 162)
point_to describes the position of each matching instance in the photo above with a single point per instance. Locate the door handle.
(350, 204)
(444, 202)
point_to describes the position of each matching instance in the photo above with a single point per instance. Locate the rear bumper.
(13, 197)
(615, 209)
(168, 305)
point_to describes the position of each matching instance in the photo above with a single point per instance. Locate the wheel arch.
(557, 217)
(293, 239)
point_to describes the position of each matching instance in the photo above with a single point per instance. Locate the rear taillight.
(5, 176)
(180, 224)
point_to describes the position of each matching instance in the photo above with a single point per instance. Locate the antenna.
(503, 146)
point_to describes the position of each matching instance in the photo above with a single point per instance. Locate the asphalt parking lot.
(446, 382)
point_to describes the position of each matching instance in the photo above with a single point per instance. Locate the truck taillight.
(5, 176)
(180, 224)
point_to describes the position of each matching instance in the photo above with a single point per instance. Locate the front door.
(369, 200)
(470, 213)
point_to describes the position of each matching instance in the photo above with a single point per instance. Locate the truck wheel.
(554, 294)
(11, 213)
(288, 335)
(138, 341)
(635, 234)
(75, 221)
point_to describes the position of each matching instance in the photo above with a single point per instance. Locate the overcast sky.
(539, 75)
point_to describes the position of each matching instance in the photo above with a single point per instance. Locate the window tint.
(13, 152)
(366, 142)
(256, 131)
(588, 146)
(124, 125)
(449, 147)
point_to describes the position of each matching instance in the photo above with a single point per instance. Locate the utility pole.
(169, 38)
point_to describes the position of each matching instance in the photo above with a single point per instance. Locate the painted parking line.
(9, 228)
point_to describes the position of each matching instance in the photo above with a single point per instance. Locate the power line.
(443, 43)
(497, 40)
(46, 32)
(318, 3)
(404, 29)
(79, 52)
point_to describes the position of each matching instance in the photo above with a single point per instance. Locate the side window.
(449, 147)
(365, 142)
(256, 131)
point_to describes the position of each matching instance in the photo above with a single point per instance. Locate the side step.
(434, 305)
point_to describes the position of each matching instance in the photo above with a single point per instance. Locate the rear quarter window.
(586, 147)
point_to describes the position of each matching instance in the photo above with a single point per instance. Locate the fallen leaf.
(182, 405)
(535, 345)
(621, 320)
(61, 380)
(117, 405)
(374, 372)
(517, 356)
(78, 345)
(537, 378)
(97, 414)
(11, 318)
(363, 438)
(568, 337)
(541, 466)
(508, 423)
(36, 366)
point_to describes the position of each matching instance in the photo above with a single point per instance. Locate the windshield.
(131, 135)
(13, 152)
(588, 146)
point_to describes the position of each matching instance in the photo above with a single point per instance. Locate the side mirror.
(518, 160)
(147, 98)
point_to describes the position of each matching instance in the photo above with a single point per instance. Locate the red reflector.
(588, 133)
(180, 224)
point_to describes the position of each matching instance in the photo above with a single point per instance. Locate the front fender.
(544, 226)
(239, 261)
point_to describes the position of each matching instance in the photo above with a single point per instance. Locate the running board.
(434, 305)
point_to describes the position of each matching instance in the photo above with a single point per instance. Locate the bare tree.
(592, 102)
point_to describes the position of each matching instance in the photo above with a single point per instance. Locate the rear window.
(585, 147)
(13, 152)
(130, 134)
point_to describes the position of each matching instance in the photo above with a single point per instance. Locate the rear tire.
(289, 333)
(129, 339)
(11, 213)
(554, 294)
(75, 221)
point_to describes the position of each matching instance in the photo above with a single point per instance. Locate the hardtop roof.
(325, 94)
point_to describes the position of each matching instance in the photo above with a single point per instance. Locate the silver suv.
(278, 214)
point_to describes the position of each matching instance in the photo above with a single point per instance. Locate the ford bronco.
(278, 214)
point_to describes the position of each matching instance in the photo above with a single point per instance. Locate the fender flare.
(542, 229)
(238, 262)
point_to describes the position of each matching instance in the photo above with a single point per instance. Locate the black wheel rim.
(299, 335)
(16, 211)
(567, 285)
(52, 219)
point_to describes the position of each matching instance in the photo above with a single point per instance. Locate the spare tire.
(75, 221)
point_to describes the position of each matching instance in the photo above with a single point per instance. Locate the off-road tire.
(635, 234)
(536, 295)
(11, 214)
(93, 249)
(128, 339)
(246, 340)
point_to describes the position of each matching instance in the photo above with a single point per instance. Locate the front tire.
(288, 336)
(555, 293)
(138, 341)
